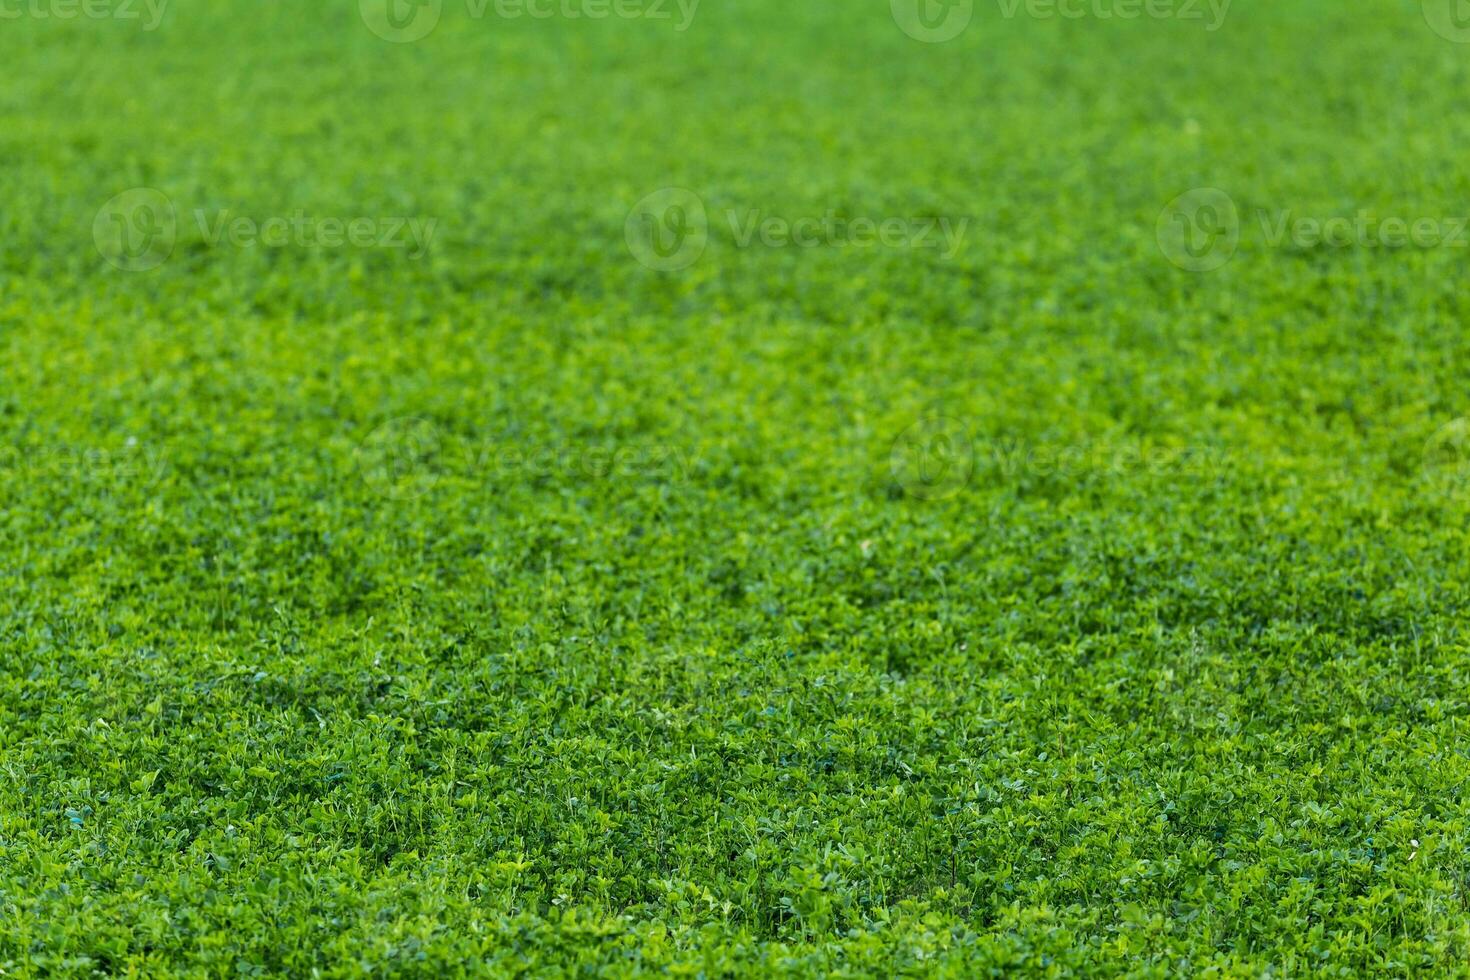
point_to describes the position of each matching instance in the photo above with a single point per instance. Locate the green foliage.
(522, 609)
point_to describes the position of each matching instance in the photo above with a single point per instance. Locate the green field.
(734, 488)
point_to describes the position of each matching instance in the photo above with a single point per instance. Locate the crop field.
(734, 488)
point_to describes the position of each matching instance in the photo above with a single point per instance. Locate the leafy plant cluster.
(301, 676)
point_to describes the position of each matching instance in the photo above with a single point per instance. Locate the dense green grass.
(1037, 606)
